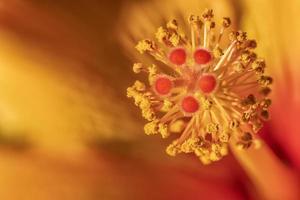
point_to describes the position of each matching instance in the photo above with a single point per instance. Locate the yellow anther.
(259, 66)
(161, 34)
(248, 56)
(173, 149)
(148, 114)
(172, 25)
(163, 130)
(146, 45)
(266, 103)
(195, 21)
(137, 67)
(205, 160)
(214, 156)
(224, 150)
(233, 124)
(239, 67)
(233, 36)
(218, 52)
(207, 104)
(151, 128)
(246, 116)
(211, 24)
(265, 80)
(251, 44)
(265, 91)
(192, 19)
(174, 39)
(241, 36)
(224, 137)
(226, 22)
(246, 137)
(215, 147)
(190, 145)
(249, 100)
(212, 128)
(139, 86)
(208, 14)
(257, 126)
(152, 73)
(130, 92)
(186, 147)
(167, 105)
(143, 102)
(265, 114)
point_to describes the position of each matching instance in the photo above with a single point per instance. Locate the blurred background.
(67, 130)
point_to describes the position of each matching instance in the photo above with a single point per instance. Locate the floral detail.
(210, 89)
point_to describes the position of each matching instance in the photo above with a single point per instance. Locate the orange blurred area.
(67, 130)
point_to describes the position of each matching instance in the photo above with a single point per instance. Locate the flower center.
(177, 56)
(189, 104)
(216, 92)
(163, 85)
(207, 83)
(202, 56)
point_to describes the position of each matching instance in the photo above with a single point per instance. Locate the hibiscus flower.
(63, 78)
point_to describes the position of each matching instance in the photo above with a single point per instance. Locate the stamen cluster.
(209, 89)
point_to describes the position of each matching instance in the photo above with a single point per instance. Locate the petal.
(107, 175)
(277, 27)
(59, 78)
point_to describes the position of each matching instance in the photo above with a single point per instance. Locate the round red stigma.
(202, 56)
(163, 85)
(178, 56)
(189, 104)
(207, 83)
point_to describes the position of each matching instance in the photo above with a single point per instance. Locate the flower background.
(67, 130)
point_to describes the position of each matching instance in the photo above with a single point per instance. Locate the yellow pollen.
(137, 68)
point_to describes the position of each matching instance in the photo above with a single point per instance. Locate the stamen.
(213, 104)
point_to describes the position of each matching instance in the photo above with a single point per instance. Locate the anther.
(266, 103)
(249, 100)
(265, 91)
(226, 22)
(137, 67)
(146, 45)
(247, 137)
(208, 14)
(265, 114)
(265, 80)
(259, 66)
(173, 24)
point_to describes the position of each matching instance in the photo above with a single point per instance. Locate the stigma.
(177, 56)
(163, 85)
(207, 85)
(189, 105)
(202, 56)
